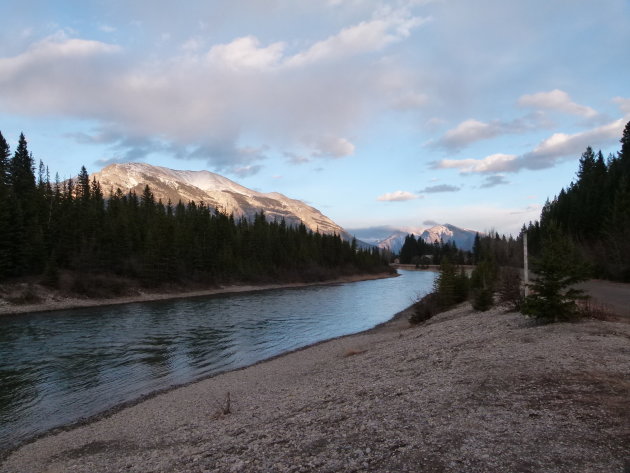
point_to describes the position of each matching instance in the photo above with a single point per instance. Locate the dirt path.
(613, 295)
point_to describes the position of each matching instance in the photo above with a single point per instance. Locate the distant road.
(614, 295)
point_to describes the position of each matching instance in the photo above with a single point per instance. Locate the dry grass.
(594, 310)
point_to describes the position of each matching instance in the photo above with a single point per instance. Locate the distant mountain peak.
(393, 238)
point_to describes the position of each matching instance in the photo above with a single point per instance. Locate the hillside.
(215, 191)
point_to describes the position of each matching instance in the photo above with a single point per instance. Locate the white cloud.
(398, 196)
(365, 37)
(471, 130)
(51, 49)
(556, 100)
(561, 144)
(467, 132)
(246, 53)
(490, 164)
(545, 155)
(203, 101)
(331, 146)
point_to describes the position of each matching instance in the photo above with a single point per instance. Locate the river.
(59, 367)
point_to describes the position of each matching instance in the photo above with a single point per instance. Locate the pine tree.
(27, 239)
(5, 210)
(5, 153)
(559, 267)
(22, 172)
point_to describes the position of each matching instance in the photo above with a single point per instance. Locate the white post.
(525, 265)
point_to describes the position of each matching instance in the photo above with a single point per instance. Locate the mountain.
(215, 191)
(463, 238)
(386, 236)
(393, 238)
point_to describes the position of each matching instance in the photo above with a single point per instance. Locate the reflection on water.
(57, 368)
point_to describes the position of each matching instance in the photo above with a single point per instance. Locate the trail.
(613, 295)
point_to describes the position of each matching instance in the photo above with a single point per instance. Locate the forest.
(593, 213)
(49, 229)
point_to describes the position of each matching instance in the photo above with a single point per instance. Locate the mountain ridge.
(215, 191)
(392, 238)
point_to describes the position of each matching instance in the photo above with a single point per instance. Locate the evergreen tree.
(5, 153)
(6, 263)
(559, 267)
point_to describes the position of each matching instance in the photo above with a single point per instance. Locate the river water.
(57, 368)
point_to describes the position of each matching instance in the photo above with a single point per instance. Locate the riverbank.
(45, 300)
(465, 391)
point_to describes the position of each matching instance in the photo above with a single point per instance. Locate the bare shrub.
(509, 287)
(592, 310)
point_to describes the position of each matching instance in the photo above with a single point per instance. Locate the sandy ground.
(50, 301)
(463, 392)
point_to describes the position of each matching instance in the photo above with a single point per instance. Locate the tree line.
(593, 213)
(419, 252)
(583, 232)
(47, 227)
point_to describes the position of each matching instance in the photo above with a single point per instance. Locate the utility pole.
(525, 265)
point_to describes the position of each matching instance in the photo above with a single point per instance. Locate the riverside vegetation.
(71, 237)
(583, 232)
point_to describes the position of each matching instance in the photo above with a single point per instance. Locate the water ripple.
(58, 368)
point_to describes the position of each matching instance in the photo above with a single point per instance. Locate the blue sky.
(377, 113)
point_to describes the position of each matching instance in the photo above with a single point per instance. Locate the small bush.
(509, 288)
(483, 300)
(424, 309)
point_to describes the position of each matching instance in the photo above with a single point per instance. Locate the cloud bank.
(546, 154)
(208, 102)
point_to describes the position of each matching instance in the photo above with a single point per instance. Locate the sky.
(401, 113)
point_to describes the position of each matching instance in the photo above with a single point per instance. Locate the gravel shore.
(463, 392)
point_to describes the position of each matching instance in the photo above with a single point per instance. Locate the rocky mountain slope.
(215, 191)
(393, 238)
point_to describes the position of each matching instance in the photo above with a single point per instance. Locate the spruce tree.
(5, 209)
(559, 267)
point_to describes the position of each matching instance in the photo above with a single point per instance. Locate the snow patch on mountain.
(392, 238)
(215, 191)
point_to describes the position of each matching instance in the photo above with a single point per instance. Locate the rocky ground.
(463, 392)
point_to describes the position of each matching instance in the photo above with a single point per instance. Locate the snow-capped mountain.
(393, 238)
(215, 191)
(463, 238)
(386, 237)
